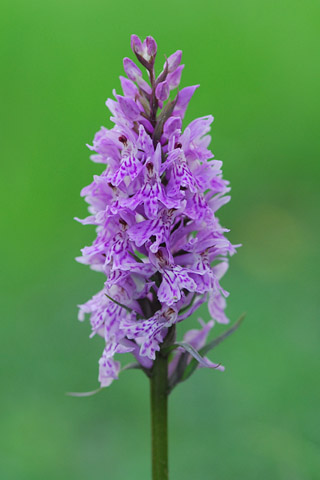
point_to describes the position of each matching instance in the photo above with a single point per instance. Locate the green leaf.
(119, 304)
(192, 351)
(131, 366)
(170, 348)
(184, 369)
(191, 367)
(84, 394)
(137, 259)
(222, 337)
(136, 366)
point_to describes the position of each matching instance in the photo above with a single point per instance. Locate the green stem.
(159, 417)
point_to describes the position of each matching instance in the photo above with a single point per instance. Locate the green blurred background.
(258, 66)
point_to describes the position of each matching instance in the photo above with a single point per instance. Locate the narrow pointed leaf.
(131, 366)
(137, 259)
(136, 366)
(192, 351)
(222, 337)
(184, 369)
(119, 304)
(83, 394)
(192, 366)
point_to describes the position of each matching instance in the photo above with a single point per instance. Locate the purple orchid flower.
(159, 242)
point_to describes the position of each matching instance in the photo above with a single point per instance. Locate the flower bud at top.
(131, 69)
(151, 46)
(136, 44)
(146, 50)
(162, 91)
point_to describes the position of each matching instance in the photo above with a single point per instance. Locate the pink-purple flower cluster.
(158, 241)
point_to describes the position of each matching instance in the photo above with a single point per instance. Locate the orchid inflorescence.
(158, 241)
